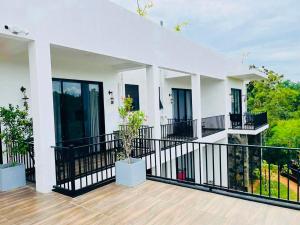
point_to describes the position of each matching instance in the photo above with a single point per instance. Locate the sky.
(261, 32)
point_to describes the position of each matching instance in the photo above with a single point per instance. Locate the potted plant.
(130, 171)
(15, 134)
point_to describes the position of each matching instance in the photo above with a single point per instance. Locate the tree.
(131, 123)
(285, 133)
(280, 98)
(274, 95)
(17, 131)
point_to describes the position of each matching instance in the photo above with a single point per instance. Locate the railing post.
(72, 168)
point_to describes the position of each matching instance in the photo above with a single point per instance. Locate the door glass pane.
(72, 111)
(189, 110)
(94, 110)
(182, 105)
(236, 101)
(175, 104)
(57, 110)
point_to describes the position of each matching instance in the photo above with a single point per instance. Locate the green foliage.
(17, 130)
(280, 98)
(285, 133)
(131, 123)
(274, 190)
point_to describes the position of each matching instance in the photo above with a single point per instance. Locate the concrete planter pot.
(12, 177)
(130, 175)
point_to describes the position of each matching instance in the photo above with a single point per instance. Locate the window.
(132, 91)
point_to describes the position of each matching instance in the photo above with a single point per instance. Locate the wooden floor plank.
(151, 203)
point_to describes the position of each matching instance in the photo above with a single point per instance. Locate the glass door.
(78, 110)
(236, 108)
(182, 104)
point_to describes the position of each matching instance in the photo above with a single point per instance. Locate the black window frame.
(136, 97)
(101, 102)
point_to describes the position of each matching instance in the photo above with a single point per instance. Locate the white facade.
(78, 41)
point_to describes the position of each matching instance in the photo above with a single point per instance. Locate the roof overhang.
(249, 76)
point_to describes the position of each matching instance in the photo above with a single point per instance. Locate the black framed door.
(236, 102)
(78, 109)
(236, 108)
(182, 104)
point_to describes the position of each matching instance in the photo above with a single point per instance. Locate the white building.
(77, 60)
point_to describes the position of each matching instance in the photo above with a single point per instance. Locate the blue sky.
(265, 32)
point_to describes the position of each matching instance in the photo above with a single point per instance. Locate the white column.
(153, 113)
(196, 102)
(197, 114)
(43, 115)
(227, 99)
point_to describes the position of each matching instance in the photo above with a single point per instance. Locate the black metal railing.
(179, 130)
(212, 125)
(248, 121)
(144, 132)
(244, 171)
(84, 167)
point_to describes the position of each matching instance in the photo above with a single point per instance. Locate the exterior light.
(171, 98)
(112, 99)
(25, 97)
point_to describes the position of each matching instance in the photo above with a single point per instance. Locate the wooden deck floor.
(150, 203)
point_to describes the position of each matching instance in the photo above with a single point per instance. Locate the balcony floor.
(150, 203)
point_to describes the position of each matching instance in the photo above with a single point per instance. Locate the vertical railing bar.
(243, 165)
(206, 166)
(228, 170)
(298, 160)
(181, 159)
(220, 164)
(288, 173)
(269, 174)
(213, 161)
(186, 161)
(200, 163)
(235, 168)
(278, 178)
(260, 172)
(170, 163)
(160, 166)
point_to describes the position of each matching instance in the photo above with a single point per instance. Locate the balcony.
(178, 129)
(149, 203)
(248, 121)
(213, 125)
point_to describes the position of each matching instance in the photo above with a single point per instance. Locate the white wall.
(213, 97)
(105, 28)
(14, 73)
(65, 68)
(137, 77)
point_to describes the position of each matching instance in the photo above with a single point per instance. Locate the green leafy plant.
(17, 131)
(131, 123)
